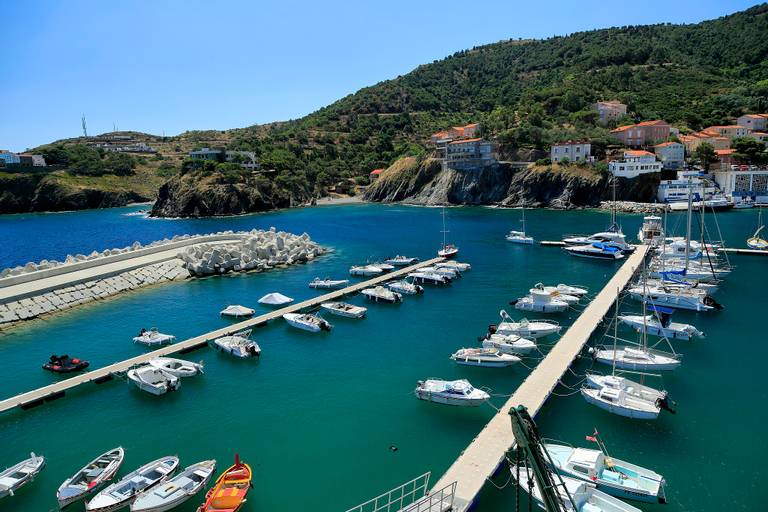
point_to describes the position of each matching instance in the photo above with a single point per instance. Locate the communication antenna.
(85, 127)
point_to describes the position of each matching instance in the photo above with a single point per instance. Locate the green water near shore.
(316, 417)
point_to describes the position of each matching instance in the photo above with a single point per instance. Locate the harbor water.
(329, 420)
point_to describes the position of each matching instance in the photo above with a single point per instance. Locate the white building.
(573, 150)
(743, 181)
(633, 164)
(609, 110)
(676, 191)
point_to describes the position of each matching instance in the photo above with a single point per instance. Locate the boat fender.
(591, 351)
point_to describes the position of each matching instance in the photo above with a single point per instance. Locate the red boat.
(229, 491)
(65, 364)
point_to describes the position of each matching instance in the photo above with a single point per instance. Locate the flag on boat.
(593, 437)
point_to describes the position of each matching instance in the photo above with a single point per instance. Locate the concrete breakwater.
(633, 207)
(50, 289)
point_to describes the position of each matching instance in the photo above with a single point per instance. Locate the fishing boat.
(229, 492)
(519, 237)
(153, 338)
(446, 250)
(153, 380)
(344, 309)
(382, 294)
(660, 324)
(307, 322)
(486, 357)
(365, 270)
(509, 343)
(575, 495)
(328, 284)
(428, 277)
(454, 265)
(172, 493)
(275, 299)
(755, 242)
(177, 367)
(237, 311)
(611, 475)
(122, 493)
(17, 476)
(651, 232)
(405, 288)
(595, 251)
(450, 392)
(525, 328)
(624, 397)
(65, 364)
(541, 302)
(90, 477)
(238, 344)
(401, 261)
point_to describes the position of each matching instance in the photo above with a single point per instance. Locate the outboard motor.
(666, 403)
(710, 301)
(492, 328)
(325, 326)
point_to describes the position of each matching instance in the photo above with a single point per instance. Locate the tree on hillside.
(705, 155)
(749, 150)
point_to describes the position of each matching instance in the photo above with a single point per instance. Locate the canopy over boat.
(275, 299)
(237, 311)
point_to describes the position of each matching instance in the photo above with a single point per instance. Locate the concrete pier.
(58, 390)
(486, 452)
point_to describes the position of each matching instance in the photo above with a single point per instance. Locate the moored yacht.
(661, 325)
(153, 338)
(328, 284)
(509, 343)
(636, 358)
(540, 301)
(405, 287)
(401, 261)
(365, 270)
(307, 322)
(614, 239)
(693, 299)
(344, 309)
(487, 357)
(625, 397)
(596, 251)
(429, 278)
(456, 392)
(177, 367)
(238, 344)
(153, 380)
(651, 232)
(525, 328)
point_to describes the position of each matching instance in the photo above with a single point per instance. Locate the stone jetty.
(632, 207)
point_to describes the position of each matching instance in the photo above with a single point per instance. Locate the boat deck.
(481, 459)
(54, 391)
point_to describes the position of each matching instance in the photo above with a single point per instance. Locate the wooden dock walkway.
(486, 452)
(58, 390)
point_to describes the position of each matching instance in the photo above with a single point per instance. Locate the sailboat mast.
(523, 221)
(444, 230)
(614, 226)
(688, 230)
(615, 330)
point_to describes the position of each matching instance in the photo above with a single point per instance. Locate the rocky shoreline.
(634, 207)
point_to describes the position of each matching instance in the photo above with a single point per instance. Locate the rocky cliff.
(193, 195)
(422, 181)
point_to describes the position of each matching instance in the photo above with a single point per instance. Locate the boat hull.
(656, 363)
(591, 396)
(439, 398)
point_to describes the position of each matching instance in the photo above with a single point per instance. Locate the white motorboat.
(328, 284)
(90, 477)
(554, 292)
(453, 265)
(238, 344)
(405, 287)
(651, 232)
(17, 476)
(670, 281)
(661, 325)
(428, 277)
(742, 203)
(624, 397)
(608, 239)
(153, 380)
(307, 322)
(509, 343)
(586, 497)
(172, 493)
(365, 270)
(447, 250)
(386, 267)
(525, 328)
(637, 358)
(596, 251)
(153, 338)
(487, 357)
(382, 294)
(401, 261)
(344, 309)
(611, 475)
(177, 367)
(567, 289)
(237, 311)
(693, 299)
(540, 301)
(122, 493)
(447, 272)
(456, 392)
(275, 299)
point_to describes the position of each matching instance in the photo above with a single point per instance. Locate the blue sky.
(171, 65)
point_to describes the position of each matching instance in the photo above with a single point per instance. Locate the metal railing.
(411, 497)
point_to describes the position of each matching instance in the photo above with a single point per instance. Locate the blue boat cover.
(662, 309)
(603, 247)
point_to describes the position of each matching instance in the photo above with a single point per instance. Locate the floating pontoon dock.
(57, 390)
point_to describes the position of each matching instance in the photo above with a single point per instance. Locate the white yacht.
(509, 343)
(554, 292)
(177, 367)
(237, 311)
(401, 261)
(344, 309)
(636, 358)
(487, 357)
(526, 328)
(446, 272)
(328, 284)
(153, 338)
(428, 277)
(382, 294)
(660, 324)
(365, 270)
(88, 479)
(383, 266)
(613, 239)
(595, 251)
(693, 299)
(153, 380)
(541, 302)
(651, 232)
(447, 250)
(238, 344)
(624, 397)
(172, 493)
(454, 265)
(15, 477)
(519, 237)
(456, 392)
(405, 287)
(122, 493)
(307, 322)
(611, 475)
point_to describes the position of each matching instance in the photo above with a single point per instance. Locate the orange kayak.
(229, 491)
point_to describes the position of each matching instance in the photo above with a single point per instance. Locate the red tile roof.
(465, 140)
(724, 152)
(666, 144)
(377, 171)
(639, 152)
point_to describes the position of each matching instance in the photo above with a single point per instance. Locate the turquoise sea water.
(316, 417)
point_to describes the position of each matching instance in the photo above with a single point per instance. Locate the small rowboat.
(344, 309)
(90, 477)
(229, 492)
(121, 494)
(15, 477)
(177, 490)
(65, 364)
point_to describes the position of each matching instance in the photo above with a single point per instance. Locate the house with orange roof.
(609, 111)
(761, 136)
(731, 131)
(641, 134)
(374, 174)
(694, 140)
(634, 163)
(439, 139)
(754, 122)
(671, 154)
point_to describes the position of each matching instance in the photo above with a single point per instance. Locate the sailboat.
(519, 237)
(755, 242)
(448, 250)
